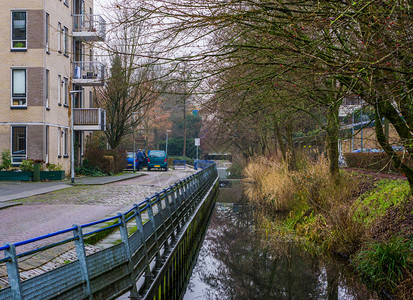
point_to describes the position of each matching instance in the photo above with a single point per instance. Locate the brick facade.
(36, 59)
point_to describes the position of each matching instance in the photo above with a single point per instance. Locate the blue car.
(129, 159)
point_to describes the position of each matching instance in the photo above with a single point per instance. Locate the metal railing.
(179, 164)
(88, 70)
(113, 271)
(88, 116)
(89, 23)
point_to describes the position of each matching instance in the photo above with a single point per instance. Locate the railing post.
(162, 213)
(125, 240)
(139, 230)
(152, 220)
(169, 211)
(81, 256)
(13, 272)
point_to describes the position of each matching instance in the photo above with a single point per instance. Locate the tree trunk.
(333, 128)
(384, 143)
(280, 140)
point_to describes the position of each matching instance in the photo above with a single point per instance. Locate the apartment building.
(48, 72)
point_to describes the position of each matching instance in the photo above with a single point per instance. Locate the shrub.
(189, 161)
(96, 158)
(5, 160)
(53, 167)
(385, 264)
(88, 170)
(27, 165)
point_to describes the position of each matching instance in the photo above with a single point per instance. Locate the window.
(19, 24)
(66, 40)
(66, 90)
(18, 143)
(59, 142)
(59, 89)
(47, 88)
(59, 37)
(90, 99)
(18, 87)
(65, 144)
(47, 144)
(47, 31)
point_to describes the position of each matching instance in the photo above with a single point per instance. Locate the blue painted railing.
(115, 270)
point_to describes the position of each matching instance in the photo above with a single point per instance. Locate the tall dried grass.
(310, 190)
(271, 184)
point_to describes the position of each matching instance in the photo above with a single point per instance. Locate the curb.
(7, 205)
(107, 182)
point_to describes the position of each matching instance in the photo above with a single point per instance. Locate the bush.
(5, 160)
(27, 165)
(374, 161)
(189, 161)
(88, 170)
(96, 159)
(53, 167)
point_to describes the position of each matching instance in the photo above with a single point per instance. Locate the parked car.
(157, 159)
(129, 159)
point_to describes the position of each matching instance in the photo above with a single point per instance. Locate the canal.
(236, 262)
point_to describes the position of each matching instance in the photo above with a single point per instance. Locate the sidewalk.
(13, 190)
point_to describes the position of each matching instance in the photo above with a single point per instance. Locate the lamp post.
(72, 137)
(134, 145)
(166, 145)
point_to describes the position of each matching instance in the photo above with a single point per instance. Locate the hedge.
(108, 161)
(375, 161)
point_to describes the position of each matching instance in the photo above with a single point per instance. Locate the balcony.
(89, 119)
(88, 73)
(89, 28)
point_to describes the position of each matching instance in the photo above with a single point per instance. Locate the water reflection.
(235, 263)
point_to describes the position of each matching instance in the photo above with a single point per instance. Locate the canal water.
(236, 262)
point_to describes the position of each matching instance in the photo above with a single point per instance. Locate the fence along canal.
(150, 262)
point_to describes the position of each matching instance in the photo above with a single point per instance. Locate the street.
(54, 211)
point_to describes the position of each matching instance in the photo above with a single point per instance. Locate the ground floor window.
(18, 142)
(65, 142)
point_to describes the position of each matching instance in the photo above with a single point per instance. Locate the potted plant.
(54, 172)
(24, 174)
(5, 160)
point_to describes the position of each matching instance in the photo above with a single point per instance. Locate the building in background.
(46, 50)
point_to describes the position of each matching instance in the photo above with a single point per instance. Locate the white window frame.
(59, 89)
(59, 37)
(47, 88)
(47, 33)
(11, 143)
(65, 142)
(12, 87)
(11, 31)
(66, 90)
(47, 142)
(65, 40)
(59, 141)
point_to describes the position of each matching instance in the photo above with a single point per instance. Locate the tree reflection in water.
(234, 263)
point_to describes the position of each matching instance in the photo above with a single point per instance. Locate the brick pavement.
(50, 212)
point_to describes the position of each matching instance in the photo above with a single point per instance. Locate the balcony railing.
(89, 119)
(89, 28)
(88, 73)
